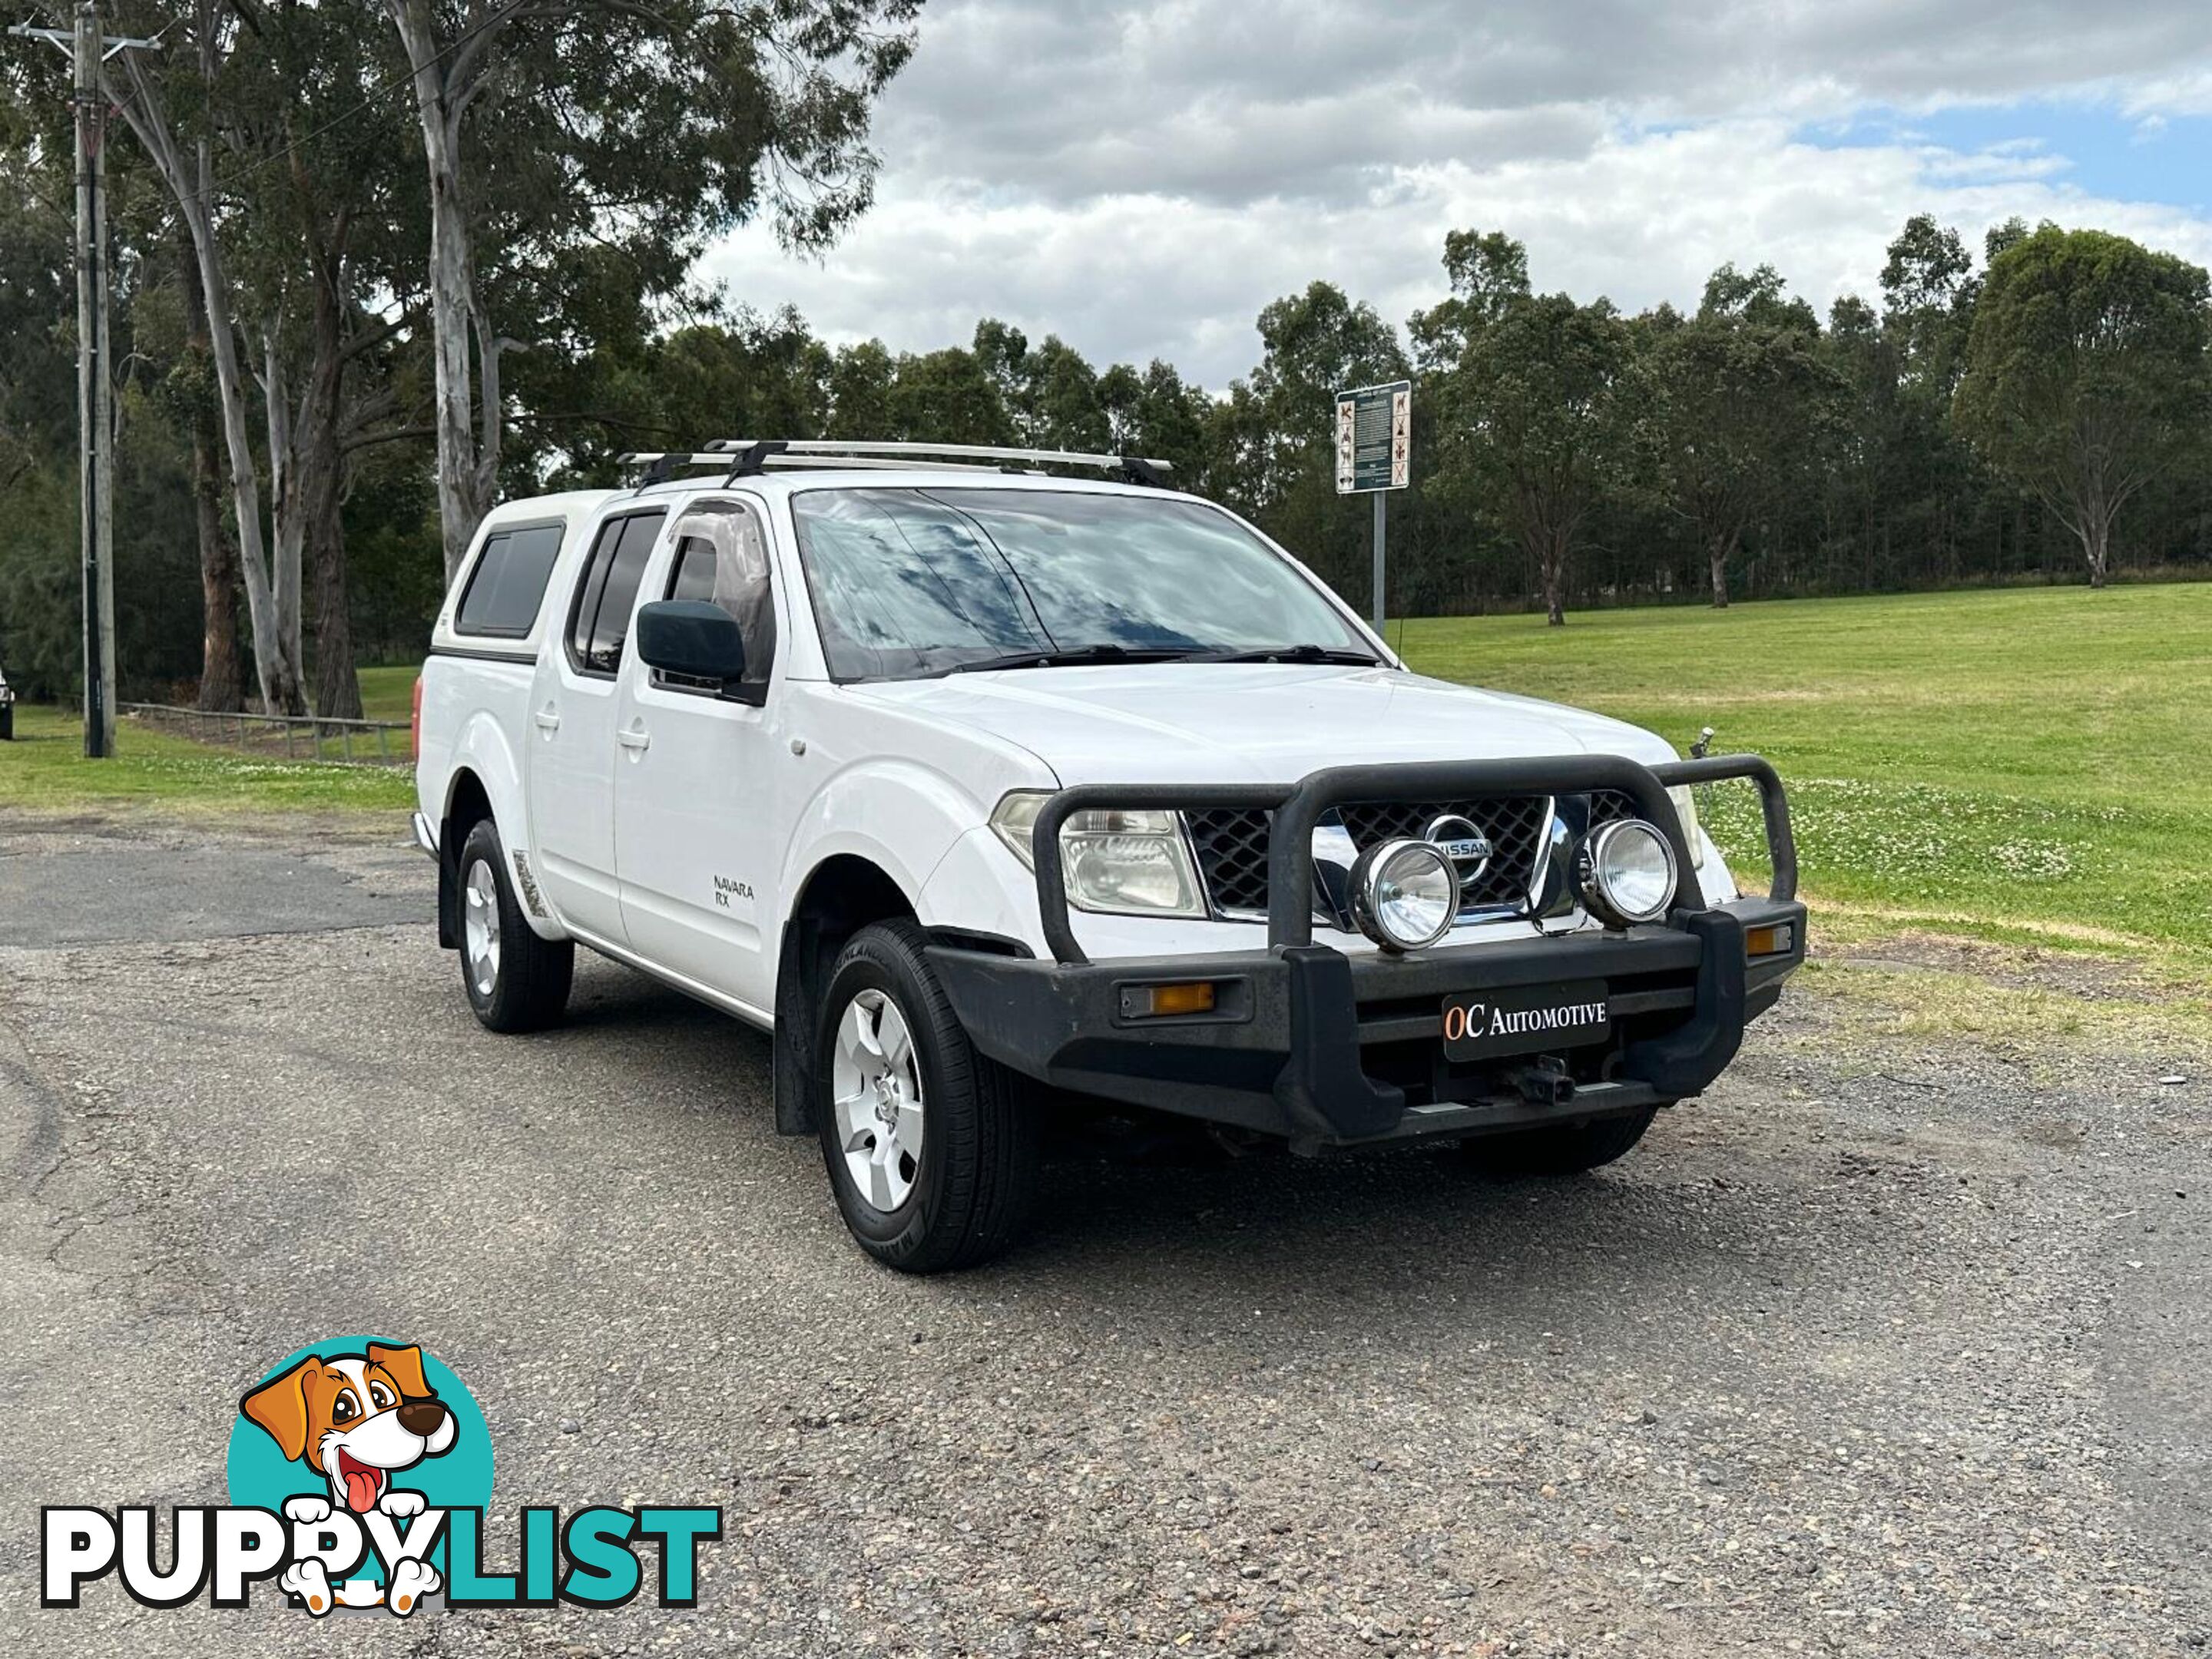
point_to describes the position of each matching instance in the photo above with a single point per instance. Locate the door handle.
(548, 719)
(636, 738)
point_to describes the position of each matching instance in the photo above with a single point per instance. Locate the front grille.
(1232, 846)
(1607, 805)
(1515, 824)
(1232, 857)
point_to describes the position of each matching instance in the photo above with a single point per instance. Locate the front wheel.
(931, 1148)
(1567, 1149)
(516, 981)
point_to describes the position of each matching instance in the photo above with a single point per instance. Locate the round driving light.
(1405, 894)
(1626, 873)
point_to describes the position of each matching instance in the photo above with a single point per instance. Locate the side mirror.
(691, 637)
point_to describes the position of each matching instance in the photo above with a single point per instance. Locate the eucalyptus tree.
(592, 145)
(861, 377)
(1743, 394)
(1154, 411)
(1927, 475)
(949, 396)
(145, 86)
(2086, 375)
(1538, 407)
(1049, 389)
(1488, 271)
(269, 126)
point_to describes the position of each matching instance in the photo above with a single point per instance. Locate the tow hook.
(1545, 1084)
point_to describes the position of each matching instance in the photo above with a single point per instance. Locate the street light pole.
(89, 49)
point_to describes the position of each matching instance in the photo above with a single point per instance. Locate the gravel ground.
(1881, 1348)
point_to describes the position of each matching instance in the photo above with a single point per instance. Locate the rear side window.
(508, 583)
(608, 592)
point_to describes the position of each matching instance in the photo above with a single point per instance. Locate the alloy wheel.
(876, 1086)
(480, 927)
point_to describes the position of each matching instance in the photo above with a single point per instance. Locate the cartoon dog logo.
(356, 1420)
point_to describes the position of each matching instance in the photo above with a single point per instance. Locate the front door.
(695, 786)
(572, 736)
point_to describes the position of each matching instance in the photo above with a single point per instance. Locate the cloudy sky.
(1140, 178)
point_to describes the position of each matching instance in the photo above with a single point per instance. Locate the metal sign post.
(1375, 456)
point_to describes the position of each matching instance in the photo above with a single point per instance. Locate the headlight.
(1116, 862)
(1405, 894)
(1686, 808)
(1626, 872)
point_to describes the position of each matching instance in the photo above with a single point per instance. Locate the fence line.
(260, 733)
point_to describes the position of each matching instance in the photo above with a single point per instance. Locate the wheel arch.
(485, 782)
(843, 893)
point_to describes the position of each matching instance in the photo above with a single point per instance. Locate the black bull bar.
(1298, 807)
(1282, 1051)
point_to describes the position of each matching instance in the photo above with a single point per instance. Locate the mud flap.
(449, 890)
(791, 1066)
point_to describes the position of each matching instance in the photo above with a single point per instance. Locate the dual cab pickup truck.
(993, 793)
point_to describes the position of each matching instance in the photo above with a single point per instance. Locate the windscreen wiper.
(1073, 655)
(1295, 654)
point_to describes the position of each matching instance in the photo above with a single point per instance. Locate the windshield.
(909, 582)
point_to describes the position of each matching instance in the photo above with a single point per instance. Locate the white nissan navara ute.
(995, 793)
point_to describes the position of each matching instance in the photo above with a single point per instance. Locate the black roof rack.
(741, 457)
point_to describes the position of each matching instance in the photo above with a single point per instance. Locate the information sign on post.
(1374, 454)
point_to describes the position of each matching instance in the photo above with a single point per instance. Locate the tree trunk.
(1717, 550)
(453, 314)
(2097, 543)
(1552, 568)
(220, 692)
(468, 448)
(289, 483)
(337, 688)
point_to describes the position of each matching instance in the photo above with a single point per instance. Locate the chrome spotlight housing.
(1626, 872)
(1405, 894)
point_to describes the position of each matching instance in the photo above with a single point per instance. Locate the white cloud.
(1142, 179)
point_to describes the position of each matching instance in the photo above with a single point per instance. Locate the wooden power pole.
(89, 49)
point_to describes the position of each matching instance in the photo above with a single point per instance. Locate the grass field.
(2031, 764)
(387, 693)
(45, 770)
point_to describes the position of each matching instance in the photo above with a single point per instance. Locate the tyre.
(516, 981)
(932, 1149)
(1568, 1149)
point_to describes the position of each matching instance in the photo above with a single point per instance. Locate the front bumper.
(1322, 1047)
